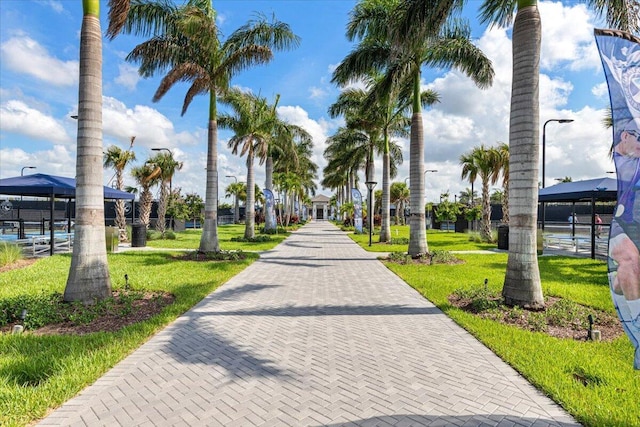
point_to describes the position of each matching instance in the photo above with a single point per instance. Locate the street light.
(370, 185)
(544, 142)
(544, 138)
(236, 213)
(26, 167)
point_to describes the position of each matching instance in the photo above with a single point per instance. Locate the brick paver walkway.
(315, 333)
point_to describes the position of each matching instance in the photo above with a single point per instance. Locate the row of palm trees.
(395, 39)
(184, 45)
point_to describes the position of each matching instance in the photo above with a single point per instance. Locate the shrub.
(399, 257)
(9, 253)
(442, 257)
(399, 241)
(255, 239)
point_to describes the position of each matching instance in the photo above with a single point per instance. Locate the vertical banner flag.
(620, 54)
(357, 209)
(270, 210)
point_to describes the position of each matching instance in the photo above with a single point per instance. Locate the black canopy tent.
(54, 187)
(590, 190)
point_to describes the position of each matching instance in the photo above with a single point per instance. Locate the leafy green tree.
(234, 189)
(195, 207)
(447, 211)
(186, 41)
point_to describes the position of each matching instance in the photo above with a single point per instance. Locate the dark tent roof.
(41, 185)
(598, 189)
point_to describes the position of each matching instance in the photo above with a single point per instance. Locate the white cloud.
(601, 90)
(567, 37)
(128, 76)
(58, 160)
(18, 117)
(316, 92)
(25, 55)
(151, 128)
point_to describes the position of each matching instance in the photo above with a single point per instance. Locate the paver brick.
(317, 332)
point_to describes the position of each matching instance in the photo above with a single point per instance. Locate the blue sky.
(39, 76)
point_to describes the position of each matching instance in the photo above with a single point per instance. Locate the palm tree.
(522, 280)
(480, 161)
(186, 41)
(251, 121)
(118, 159)
(167, 167)
(89, 278)
(415, 33)
(234, 189)
(501, 155)
(400, 196)
(146, 176)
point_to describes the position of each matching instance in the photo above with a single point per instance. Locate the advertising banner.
(270, 210)
(620, 55)
(357, 209)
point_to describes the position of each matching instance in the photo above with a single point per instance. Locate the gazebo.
(53, 187)
(590, 190)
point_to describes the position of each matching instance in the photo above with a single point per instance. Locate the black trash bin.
(503, 237)
(138, 235)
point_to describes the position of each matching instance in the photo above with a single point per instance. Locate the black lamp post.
(370, 186)
(544, 138)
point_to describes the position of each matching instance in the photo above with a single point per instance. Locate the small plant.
(442, 257)
(480, 299)
(9, 253)
(255, 239)
(537, 321)
(169, 235)
(399, 257)
(399, 241)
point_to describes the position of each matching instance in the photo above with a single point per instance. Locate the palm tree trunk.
(146, 200)
(88, 278)
(121, 220)
(269, 223)
(162, 207)
(385, 225)
(522, 281)
(209, 239)
(249, 208)
(485, 230)
(417, 223)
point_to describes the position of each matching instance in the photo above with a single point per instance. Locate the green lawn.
(190, 239)
(436, 240)
(40, 372)
(611, 396)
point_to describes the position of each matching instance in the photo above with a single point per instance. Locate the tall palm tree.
(416, 33)
(118, 159)
(251, 121)
(166, 166)
(522, 280)
(89, 278)
(186, 41)
(146, 176)
(480, 161)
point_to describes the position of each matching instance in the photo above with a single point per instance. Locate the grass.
(190, 239)
(41, 372)
(594, 381)
(9, 253)
(436, 240)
